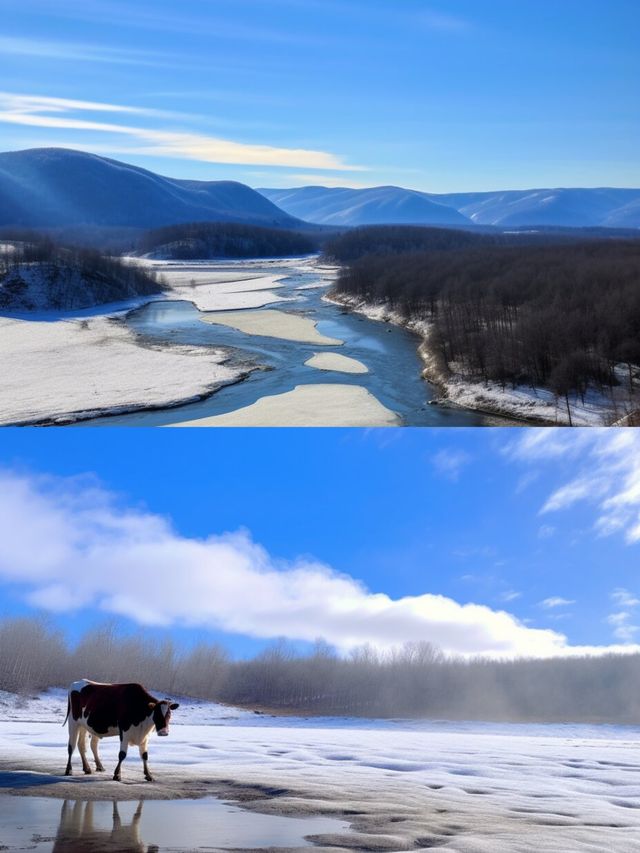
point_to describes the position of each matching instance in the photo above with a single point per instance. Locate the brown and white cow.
(126, 711)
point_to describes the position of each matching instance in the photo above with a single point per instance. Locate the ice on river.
(465, 787)
(322, 405)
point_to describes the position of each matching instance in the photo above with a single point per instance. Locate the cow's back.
(105, 707)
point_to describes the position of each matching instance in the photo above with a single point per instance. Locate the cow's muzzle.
(163, 733)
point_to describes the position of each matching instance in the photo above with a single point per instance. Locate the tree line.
(206, 240)
(562, 316)
(413, 681)
(68, 277)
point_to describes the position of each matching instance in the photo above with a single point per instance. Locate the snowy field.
(77, 368)
(400, 785)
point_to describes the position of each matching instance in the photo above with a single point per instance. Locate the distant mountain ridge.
(373, 206)
(59, 187)
(563, 207)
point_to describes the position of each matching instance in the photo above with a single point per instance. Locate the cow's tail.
(68, 710)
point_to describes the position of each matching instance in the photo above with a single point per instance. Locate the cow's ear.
(152, 704)
(174, 705)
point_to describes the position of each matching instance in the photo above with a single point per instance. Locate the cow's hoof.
(87, 771)
(116, 779)
(149, 778)
(67, 772)
(99, 768)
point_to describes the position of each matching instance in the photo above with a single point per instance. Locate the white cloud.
(608, 473)
(75, 52)
(65, 114)
(68, 544)
(510, 595)
(450, 463)
(546, 531)
(556, 601)
(623, 628)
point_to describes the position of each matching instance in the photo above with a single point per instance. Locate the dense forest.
(415, 681)
(207, 240)
(563, 316)
(399, 239)
(40, 274)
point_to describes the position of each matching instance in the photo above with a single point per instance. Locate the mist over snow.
(69, 544)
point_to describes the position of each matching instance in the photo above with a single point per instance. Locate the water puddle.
(78, 826)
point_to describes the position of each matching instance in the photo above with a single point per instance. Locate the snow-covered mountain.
(58, 187)
(374, 206)
(604, 207)
(556, 207)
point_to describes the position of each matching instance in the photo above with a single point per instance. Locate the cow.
(126, 711)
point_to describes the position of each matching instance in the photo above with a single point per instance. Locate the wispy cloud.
(76, 52)
(510, 595)
(546, 531)
(66, 114)
(310, 179)
(450, 463)
(623, 619)
(556, 601)
(608, 464)
(68, 545)
(623, 598)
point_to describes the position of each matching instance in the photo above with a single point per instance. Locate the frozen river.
(388, 354)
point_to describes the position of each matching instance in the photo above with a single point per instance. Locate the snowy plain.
(76, 368)
(400, 784)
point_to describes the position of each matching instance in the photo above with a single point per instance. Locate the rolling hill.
(605, 207)
(58, 187)
(374, 206)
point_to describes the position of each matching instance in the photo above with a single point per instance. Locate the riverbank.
(522, 404)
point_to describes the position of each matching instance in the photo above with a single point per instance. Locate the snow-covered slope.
(605, 207)
(46, 287)
(374, 206)
(554, 207)
(57, 187)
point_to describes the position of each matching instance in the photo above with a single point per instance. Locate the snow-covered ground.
(78, 368)
(402, 785)
(523, 401)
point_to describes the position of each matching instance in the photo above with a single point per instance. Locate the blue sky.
(493, 541)
(437, 95)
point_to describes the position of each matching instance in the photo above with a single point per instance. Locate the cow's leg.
(73, 740)
(144, 755)
(82, 749)
(124, 742)
(95, 743)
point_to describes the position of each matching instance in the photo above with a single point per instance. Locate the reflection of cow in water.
(110, 710)
(76, 832)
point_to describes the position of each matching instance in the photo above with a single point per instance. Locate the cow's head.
(162, 714)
